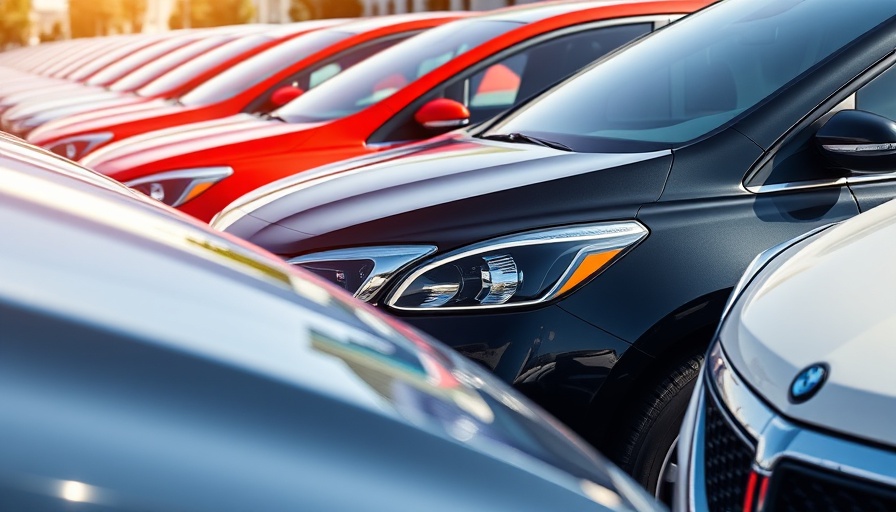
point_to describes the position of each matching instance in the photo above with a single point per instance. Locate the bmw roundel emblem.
(808, 382)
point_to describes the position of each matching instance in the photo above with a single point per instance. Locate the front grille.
(727, 461)
(796, 487)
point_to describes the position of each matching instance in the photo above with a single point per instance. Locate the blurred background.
(25, 22)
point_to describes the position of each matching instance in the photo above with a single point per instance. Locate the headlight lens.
(516, 270)
(362, 271)
(74, 148)
(175, 188)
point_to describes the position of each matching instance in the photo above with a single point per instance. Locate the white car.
(796, 406)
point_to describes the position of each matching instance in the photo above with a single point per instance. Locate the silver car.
(797, 402)
(148, 363)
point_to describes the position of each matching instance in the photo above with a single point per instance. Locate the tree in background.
(211, 13)
(90, 18)
(14, 22)
(301, 10)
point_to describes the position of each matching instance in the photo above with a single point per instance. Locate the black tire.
(650, 430)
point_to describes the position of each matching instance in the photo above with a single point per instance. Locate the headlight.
(362, 271)
(75, 148)
(516, 270)
(175, 188)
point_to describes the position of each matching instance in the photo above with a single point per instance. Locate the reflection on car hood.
(60, 101)
(448, 169)
(187, 139)
(827, 300)
(96, 121)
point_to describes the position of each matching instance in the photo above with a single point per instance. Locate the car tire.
(649, 435)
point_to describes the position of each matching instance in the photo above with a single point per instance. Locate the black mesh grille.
(727, 462)
(798, 487)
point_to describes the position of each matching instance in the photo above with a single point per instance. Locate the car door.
(517, 74)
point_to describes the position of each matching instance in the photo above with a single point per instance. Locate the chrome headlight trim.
(68, 148)
(198, 175)
(387, 261)
(621, 235)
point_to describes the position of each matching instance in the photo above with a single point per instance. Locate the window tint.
(488, 91)
(180, 75)
(308, 79)
(697, 75)
(383, 75)
(260, 67)
(879, 95)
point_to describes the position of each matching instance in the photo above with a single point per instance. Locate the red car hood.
(90, 122)
(184, 143)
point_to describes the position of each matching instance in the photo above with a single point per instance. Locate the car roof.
(367, 24)
(528, 13)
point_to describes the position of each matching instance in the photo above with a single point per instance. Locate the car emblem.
(808, 382)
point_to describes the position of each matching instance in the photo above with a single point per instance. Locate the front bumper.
(737, 453)
(555, 358)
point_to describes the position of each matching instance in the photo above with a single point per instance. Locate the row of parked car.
(553, 191)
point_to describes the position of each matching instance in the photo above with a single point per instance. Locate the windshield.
(173, 60)
(109, 57)
(180, 75)
(135, 60)
(260, 67)
(382, 75)
(695, 76)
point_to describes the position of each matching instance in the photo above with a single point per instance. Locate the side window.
(799, 161)
(309, 78)
(490, 90)
(879, 95)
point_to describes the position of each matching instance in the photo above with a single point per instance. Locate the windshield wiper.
(527, 139)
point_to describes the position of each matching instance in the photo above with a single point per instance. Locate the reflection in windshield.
(382, 75)
(260, 67)
(695, 76)
(180, 75)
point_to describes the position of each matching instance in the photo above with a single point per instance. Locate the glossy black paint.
(710, 206)
(855, 127)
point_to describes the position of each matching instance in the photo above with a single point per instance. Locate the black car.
(583, 245)
(148, 363)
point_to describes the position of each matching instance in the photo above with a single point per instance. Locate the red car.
(462, 73)
(31, 112)
(261, 83)
(167, 77)
(113, 72)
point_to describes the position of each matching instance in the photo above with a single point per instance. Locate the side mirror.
(442, 113)
(859, 141)
(285, 94)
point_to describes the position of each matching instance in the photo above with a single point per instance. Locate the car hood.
(50, 92)
(187, 140)
(89, 122)
(90, 104)
(61, 101)
(826, 300)
(453, 180)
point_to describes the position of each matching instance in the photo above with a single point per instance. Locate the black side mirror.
(859, 141)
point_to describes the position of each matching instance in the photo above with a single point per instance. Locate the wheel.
(649, 436)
